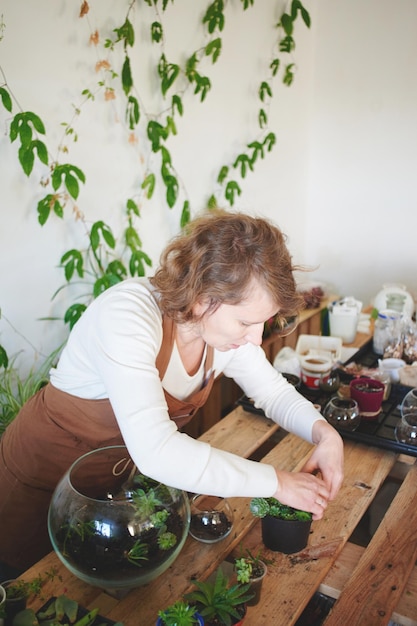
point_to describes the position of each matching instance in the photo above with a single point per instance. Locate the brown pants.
(51, 431)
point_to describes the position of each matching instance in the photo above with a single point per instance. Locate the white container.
(344, 318)
(318, 345)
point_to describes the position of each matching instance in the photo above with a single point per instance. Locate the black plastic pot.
(287, 536)
(12, 605)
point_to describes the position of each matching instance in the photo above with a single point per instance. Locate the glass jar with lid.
(385, 328)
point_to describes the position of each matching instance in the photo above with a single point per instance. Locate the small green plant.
(60, 610)
(20, 588)
(138, 552)
(218, 601)
(248, 566)
(260, 507)
(179, 614)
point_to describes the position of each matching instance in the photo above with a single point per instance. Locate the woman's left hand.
(327, 457)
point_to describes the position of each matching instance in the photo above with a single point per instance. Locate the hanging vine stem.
(99, 260)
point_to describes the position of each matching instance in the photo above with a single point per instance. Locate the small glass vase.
(409, 403)
(342, 413)
(211, 518)
(406, 429)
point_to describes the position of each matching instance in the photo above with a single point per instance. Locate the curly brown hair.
(216, 258)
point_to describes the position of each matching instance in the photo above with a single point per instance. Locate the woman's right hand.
(304, 491)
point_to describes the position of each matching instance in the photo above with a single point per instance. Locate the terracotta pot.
(369, 394)
(287, 536)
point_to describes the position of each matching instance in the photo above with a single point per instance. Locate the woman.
(142, 360)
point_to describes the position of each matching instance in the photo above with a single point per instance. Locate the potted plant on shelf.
(17, 591)
(284, 529)
(181, 613)
(220, 602)
(251, 569)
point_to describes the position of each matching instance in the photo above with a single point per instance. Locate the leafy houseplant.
(179, 614)
(219, 602)
(284, 529)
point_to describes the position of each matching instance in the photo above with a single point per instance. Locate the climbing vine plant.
(108, 258)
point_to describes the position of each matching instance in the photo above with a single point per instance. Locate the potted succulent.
(252, 568)
(284, 529)
(181, 613)
(220, 602)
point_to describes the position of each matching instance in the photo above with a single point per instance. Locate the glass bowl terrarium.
(112, 526)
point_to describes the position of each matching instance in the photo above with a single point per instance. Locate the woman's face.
(234, 325)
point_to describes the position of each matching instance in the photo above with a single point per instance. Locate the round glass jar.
(112, 526)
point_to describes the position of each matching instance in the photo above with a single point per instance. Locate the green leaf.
(287, 44)
(222, 174)
(44, 208)
(258, 150)
(132, 112)
(203, 86)
(185, 214)
(27, 617)
(6, 99)
(41, 150)
(4, 359)
(243, 160)
(127, 81)
(132, 238)
(270, 141)
(73, 314)
(149, 184)
(247, 4)
(177, 103)
(287, 23)
(132, 207)
(172, 191)
(26, 158)
(100, 228)
(212, 202)
(170, 126)
(265, 90)
(69, 175)
(274, 66)
(262, 118)
(126, 33)
(116, 268)
(288, 75)
(214, 17)
(72, 261)
(232, 188)
(156, 32)
(136, 264)
(155, 132)
(214, 48)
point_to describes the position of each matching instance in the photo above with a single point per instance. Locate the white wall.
(362, 201)
(339, 181)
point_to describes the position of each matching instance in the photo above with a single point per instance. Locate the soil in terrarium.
(103, 546)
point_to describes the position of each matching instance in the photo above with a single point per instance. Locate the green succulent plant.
(260, 507)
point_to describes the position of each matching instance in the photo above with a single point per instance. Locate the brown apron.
(50, 432)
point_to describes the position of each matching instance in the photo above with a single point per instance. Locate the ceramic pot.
(287, 536)
(369, 394)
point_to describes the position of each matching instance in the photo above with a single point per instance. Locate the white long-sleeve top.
(111, 353)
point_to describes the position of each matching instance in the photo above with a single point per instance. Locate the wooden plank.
(298, 576)
(341, 571)
(240, 432)
(378, 582)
